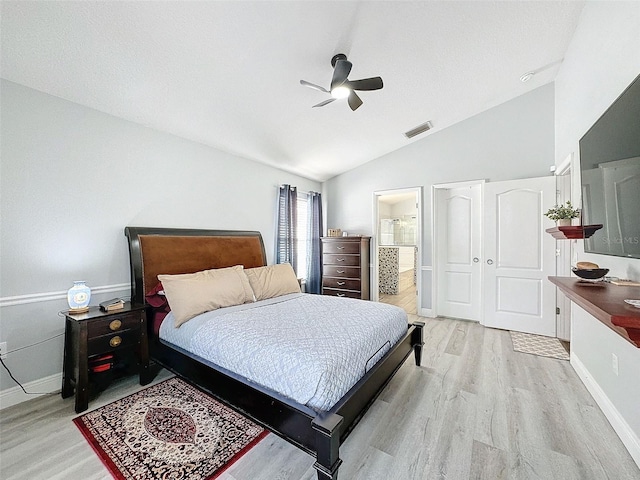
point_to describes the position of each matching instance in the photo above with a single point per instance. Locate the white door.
(519, 256)
(459, 268)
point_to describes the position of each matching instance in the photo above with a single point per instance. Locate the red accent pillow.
(160, 306)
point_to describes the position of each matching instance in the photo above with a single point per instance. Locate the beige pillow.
(191, 294)
(273, 281)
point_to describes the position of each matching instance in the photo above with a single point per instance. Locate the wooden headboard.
(154, 251)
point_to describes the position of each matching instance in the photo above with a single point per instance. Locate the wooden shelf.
(573, 231)
(605, 302)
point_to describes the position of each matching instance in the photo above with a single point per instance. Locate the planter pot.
(564, 222)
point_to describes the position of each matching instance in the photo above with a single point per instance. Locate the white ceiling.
(226, 73)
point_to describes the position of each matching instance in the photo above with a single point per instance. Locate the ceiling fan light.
(340, 92)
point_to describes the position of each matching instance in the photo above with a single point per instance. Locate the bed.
(317, 431)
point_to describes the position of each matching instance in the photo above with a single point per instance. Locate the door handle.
(490, 262)
(476, 259)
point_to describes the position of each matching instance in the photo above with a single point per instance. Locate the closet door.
(519, 256)
(459, 267)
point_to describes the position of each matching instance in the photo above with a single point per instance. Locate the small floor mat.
(169, 431)
(538, 345)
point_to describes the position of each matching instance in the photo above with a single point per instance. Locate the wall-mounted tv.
(610, 173)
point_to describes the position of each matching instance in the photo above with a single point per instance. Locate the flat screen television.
(610, 173)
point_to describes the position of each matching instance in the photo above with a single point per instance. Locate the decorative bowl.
(635, 303)
(590, 273)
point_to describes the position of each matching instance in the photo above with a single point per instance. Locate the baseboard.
(617, 421)
(15, 395)
(427, 312)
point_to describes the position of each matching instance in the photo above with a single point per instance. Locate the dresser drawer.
(105, 343)
(340, 293)
(337, 259)
(342, 283)
(340, 272)
(341, 247)
(114, 323)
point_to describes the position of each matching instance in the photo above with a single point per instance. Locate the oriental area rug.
(538, 345)
(170, 430)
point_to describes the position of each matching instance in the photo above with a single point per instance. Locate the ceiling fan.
(341, 86)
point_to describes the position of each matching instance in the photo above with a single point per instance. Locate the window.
(301, 235)
(299, 229)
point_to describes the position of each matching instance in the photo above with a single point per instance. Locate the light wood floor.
(407, 294)
(475, 410)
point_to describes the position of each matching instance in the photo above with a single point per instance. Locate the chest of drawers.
(345, 266)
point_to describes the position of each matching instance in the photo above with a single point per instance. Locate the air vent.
(418, 130)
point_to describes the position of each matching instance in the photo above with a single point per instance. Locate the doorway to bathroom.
(397, 248)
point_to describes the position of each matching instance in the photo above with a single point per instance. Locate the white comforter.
(309, 348)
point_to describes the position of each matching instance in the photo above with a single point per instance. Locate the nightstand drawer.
(113, 323)
(337, 259)
(105, 343)
(340, 293)
(340, 271)
(341, 283)
(341, 247)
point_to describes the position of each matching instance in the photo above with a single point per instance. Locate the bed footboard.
(417, 340)
(327, 430)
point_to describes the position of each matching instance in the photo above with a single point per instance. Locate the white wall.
(71, 179)
(513, 140)
(405, 207)
(601, 61)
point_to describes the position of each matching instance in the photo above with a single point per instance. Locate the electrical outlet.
(614, 363)
(3, 350)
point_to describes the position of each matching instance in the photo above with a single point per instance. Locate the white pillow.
(191, 294)
(273, 281)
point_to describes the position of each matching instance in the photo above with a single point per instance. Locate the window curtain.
(287, 241)
(314, 232)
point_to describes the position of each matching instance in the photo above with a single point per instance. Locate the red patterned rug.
(170, 430)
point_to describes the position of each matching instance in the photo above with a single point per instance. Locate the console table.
(605, 302)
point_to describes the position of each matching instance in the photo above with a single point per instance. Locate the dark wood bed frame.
(172, 251)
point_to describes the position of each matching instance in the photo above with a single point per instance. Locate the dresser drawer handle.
(115, 341)
(340, 295)
(115, 325)
(339, 259)
(340, 248)
(341, 283)
(340, 271)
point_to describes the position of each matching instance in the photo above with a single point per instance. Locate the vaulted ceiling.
(226, 73)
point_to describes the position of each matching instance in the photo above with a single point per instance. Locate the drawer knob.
(340, 259)
(340, 271)
(340, 295)
(341, 283)
(115, 325)
(340, 248)
(115, 341)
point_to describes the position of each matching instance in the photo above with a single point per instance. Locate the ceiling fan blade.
(326, 102)
(374, 83)
(340, 73)
(314, 86)
(354, 100)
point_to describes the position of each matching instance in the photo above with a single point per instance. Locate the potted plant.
(563, 214)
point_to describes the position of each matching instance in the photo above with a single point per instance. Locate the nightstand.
(97, 334)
